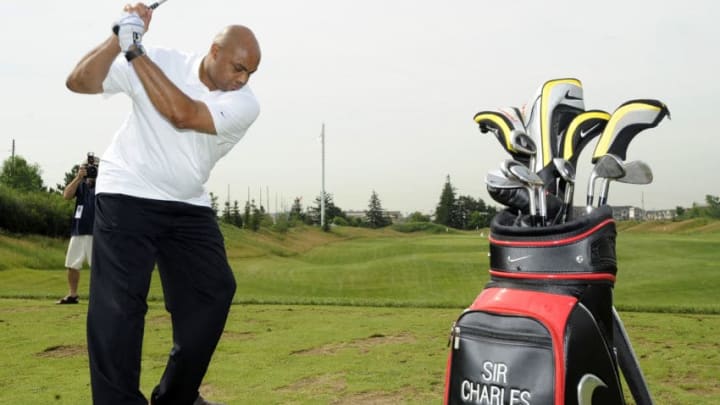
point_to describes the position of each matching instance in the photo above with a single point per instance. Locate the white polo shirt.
(148, 157)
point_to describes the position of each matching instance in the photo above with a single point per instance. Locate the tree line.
(27, 205)
(453, 210)
(711, 209)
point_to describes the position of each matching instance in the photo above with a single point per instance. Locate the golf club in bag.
(544, 330)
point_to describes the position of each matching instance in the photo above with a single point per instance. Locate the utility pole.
(322, 195)
(12, 159)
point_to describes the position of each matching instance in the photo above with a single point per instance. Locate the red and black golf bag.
(544, 331)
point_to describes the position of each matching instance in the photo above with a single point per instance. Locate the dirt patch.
(376, 398)
(235, 335)
(63, 351)
(320, 383)
(362, 345)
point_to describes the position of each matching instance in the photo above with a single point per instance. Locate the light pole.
(322, 195)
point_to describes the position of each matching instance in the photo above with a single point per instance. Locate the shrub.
(429, 227)
(340, 221)
(35, 212)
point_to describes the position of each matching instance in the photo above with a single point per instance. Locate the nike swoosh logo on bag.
(587, 385)
(583, 134)
(517, 259)
(571, 97)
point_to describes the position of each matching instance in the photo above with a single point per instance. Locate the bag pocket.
(500, 360)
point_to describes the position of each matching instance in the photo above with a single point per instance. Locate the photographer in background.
(82, 188)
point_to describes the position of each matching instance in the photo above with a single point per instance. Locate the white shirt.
(148, 157)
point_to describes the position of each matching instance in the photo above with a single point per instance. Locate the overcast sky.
(396, 83)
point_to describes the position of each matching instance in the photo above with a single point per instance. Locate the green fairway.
(657, 271)
(357, 316)
(289, 354)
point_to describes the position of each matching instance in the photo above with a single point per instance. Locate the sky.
(396, 83)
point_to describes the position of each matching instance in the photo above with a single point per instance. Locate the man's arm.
(90, 72)
(182, 111)
(71, 189)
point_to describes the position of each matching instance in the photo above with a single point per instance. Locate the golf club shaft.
(629, 363)
(602, 200)
(567, 202)
(157, 4)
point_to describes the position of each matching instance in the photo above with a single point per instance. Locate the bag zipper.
(474, 332)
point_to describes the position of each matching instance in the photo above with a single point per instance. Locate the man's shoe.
(201, 401)
(68, 300)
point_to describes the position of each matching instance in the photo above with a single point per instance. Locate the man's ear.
(214, 49)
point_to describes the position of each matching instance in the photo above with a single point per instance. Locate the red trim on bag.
(545, 243)
(554, 276)
(552, 310)
(446, 398)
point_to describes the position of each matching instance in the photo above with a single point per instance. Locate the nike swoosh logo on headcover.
(583, 134)
(587, 385)
(571, 97)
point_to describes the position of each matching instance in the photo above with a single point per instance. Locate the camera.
(92, 168)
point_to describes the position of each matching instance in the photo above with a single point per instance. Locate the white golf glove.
(129, 29)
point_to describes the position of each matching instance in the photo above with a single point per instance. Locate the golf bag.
(543, 329)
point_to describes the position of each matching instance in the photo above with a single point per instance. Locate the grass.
(358, 316)
(290, 354)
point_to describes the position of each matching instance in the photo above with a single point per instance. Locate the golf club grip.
(153, 6)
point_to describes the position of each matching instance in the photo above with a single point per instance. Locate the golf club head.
(501, 123)
(524, 146)
(608, 166)
(628, 120)
(636, 172)
(505, 166)
(565, 169)
(496, 179)
(555, 104)
(582, 129)
(518, 199)
(536, 188)
(525, 175)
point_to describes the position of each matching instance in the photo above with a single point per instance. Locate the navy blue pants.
(130, 236)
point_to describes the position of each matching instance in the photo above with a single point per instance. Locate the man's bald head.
(234, 36)
(234, 55)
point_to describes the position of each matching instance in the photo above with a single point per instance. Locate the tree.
(463, 209)
(69, 176)
(296, 211)
(375, 215)
(255, 216)
(445, 210)
(331, 210)
(235, 216)
(226, 214)
(18, 174)
(680, 211)
(247, 215)
(418, 216)
(213, 200)
(713, 203)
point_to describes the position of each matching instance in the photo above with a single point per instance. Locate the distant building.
(394, 216)
(630, 213)
(355, 214)
(660, 215)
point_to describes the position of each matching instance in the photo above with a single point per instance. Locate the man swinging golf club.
(188, 111)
